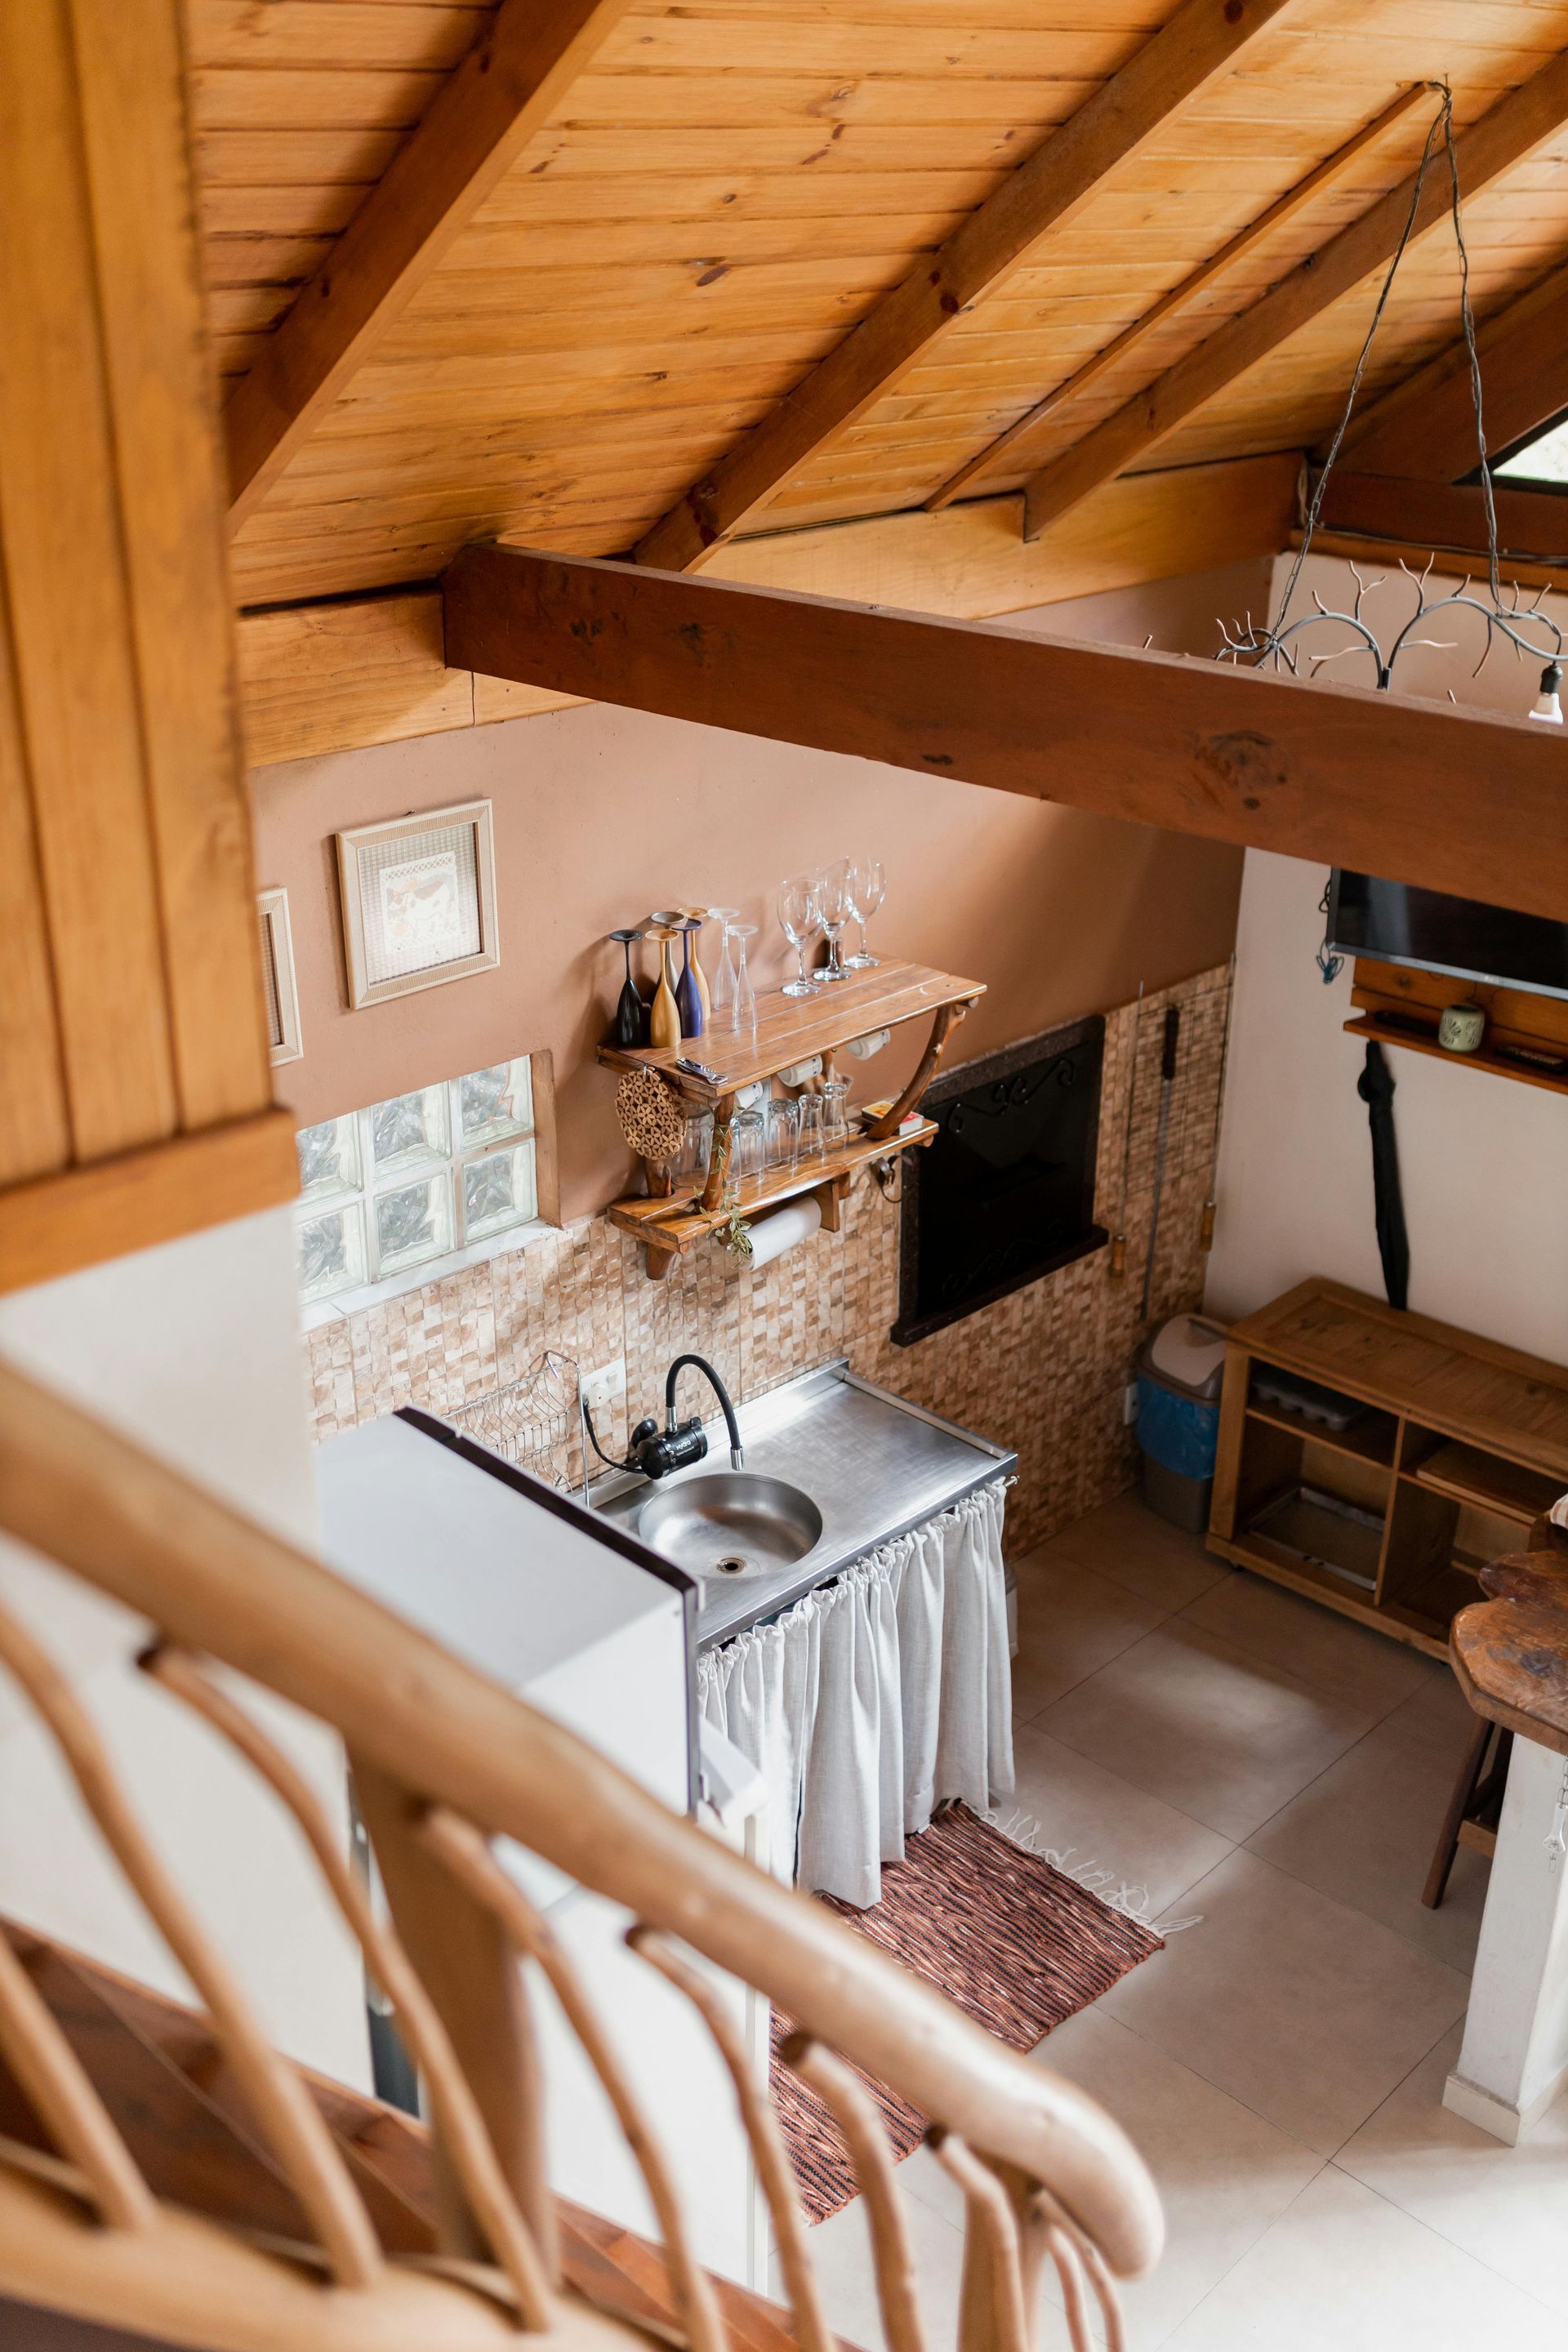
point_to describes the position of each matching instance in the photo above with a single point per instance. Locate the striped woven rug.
(1011, 1940)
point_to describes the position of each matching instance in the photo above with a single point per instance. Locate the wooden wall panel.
(130, 940)
(171, 484)
(35, 1127)
(66, 575)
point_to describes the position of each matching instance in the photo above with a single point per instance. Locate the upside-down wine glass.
(832, 898)
(799, 920)
(868, 889)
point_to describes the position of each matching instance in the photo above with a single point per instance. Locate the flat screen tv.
(1397, 923)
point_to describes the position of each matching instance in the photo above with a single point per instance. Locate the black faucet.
(656, 1452)
(737, 1451)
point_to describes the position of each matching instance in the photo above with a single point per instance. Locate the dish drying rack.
(528, 1419)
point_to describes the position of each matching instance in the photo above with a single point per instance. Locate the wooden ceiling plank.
(1426, 428)
(1200, 42)
(1180, 297)
(1501, 138)
(476, 127)
(1330, 774)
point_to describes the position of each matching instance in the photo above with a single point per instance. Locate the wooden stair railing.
(336, 2254)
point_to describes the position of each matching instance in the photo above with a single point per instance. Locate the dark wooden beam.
(1455, 800)
(1426, 427)
(1503, 138)
(1203, 40)
(1532, 525)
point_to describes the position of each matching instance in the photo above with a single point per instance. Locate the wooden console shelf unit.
(1462, 1445)
(1526, 1037)
(791, 1029)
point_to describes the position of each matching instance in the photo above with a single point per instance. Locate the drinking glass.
(868, 889)
(811, 1108)
(834, 1097)
(743, 1013)
(783, 1136)
(691, 1168)
(800, 920)
(722, 987)
(831, 894)
(748, 1156)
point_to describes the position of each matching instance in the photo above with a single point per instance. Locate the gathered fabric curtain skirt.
(875, 1699)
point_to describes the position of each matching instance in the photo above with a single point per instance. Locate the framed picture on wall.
(280, 993)
(419, 901)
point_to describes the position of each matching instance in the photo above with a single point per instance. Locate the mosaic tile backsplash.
(1042, 1370)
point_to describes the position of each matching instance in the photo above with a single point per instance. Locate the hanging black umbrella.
(1376, 1087)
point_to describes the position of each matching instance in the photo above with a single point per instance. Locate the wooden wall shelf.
(790, 1029)
(1402, 1007)
(1464, 1442)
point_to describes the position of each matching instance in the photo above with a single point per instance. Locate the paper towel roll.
(782, 1228)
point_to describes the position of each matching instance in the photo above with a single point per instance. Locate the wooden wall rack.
(1464, 1445)
(1527, 1035)
(790, 1029)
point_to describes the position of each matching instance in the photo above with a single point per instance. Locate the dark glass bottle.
(630, 1027)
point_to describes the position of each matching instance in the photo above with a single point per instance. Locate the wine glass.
(799, 920)
(868, 887)
(831, 893)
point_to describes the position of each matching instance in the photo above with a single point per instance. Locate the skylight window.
(1543, 460)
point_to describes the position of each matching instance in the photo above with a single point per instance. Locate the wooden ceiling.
(715, 195)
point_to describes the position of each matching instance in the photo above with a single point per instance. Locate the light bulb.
(1547, 706)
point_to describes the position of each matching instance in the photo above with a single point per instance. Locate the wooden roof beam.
(505, 89)
(986, 461)
(1426, 518)
(1426, 427)
(1501, 138)
(1202, 41)
(1333, 774)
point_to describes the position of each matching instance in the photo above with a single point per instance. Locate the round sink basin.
(731, 1523)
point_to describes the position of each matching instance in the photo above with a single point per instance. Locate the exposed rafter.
(1333, 773)
(1202, 41)
(1491, 147)
(1427, 426)
(1429, 517)
(1235, 249)
(528, 54)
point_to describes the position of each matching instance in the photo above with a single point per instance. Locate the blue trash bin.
(1181, 1369)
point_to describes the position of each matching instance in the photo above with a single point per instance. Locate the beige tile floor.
(1279, 1773)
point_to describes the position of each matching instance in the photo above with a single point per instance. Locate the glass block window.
(403, 1182)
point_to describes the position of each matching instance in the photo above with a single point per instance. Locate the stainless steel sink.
(731, 1523)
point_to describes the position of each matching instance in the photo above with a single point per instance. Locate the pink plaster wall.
(602, 814)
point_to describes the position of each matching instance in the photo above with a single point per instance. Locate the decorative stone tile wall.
(1044, 1369)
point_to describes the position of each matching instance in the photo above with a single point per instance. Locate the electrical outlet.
(603, 1384)
(1129, 1404)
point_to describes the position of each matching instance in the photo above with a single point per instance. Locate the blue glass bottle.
(688, 1000)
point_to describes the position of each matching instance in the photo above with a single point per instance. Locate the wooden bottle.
(664, 1019)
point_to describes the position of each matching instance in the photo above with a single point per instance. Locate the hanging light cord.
(1441, 121)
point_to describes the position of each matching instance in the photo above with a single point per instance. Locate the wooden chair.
(442, 1761)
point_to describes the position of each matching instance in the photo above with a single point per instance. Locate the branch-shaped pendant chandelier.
(1505, 615)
